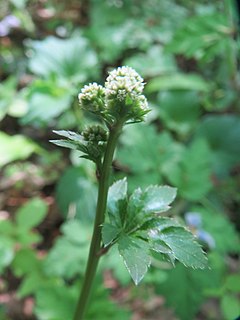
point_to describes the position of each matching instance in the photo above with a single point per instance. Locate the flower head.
(124, 87)
(123, 81)
(121, 98)
(92, 97)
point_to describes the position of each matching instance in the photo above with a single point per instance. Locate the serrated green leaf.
(109, 233)
(135, 214)
(158, 198)
(31, 214)
(116, 192)
(135, 254)
(117, 202)
(184, 247)
(160, 246)
(158, 224)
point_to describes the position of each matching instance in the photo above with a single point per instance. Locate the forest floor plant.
(132, 222)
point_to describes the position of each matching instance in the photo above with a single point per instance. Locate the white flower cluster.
(122, 81)
(90, 92)
(120, 98)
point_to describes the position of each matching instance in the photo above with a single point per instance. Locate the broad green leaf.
(24, 262)
(27, 237)
(71, 59)
(184, 247)
(43, 107)
(15, 147)
(233, 283)
(230, 306)
(135, 254)
(109, 233)
(177, 81)
(158, 198)
(31, 214)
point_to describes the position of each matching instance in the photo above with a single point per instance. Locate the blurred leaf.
(192, 174)
(233, 283)
(47, 302)
(7, 95)
(179, 110)
(217, 224)
(135, 255)
(76, 194)
(177, 81)
(25, 261)
(71, 59)
(202, 36)
(152, 63)
(190, 285)
(31, 214)
(45, 107)
(15, 147)
(230, 306)
(222, 132)
(75, 245)
(6, 253)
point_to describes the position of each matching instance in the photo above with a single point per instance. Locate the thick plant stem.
(95, 246)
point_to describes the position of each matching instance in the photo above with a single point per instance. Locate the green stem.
(95, 246)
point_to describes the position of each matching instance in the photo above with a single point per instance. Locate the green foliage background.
(188, 54)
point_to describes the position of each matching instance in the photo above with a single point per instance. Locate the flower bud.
(95, 134)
